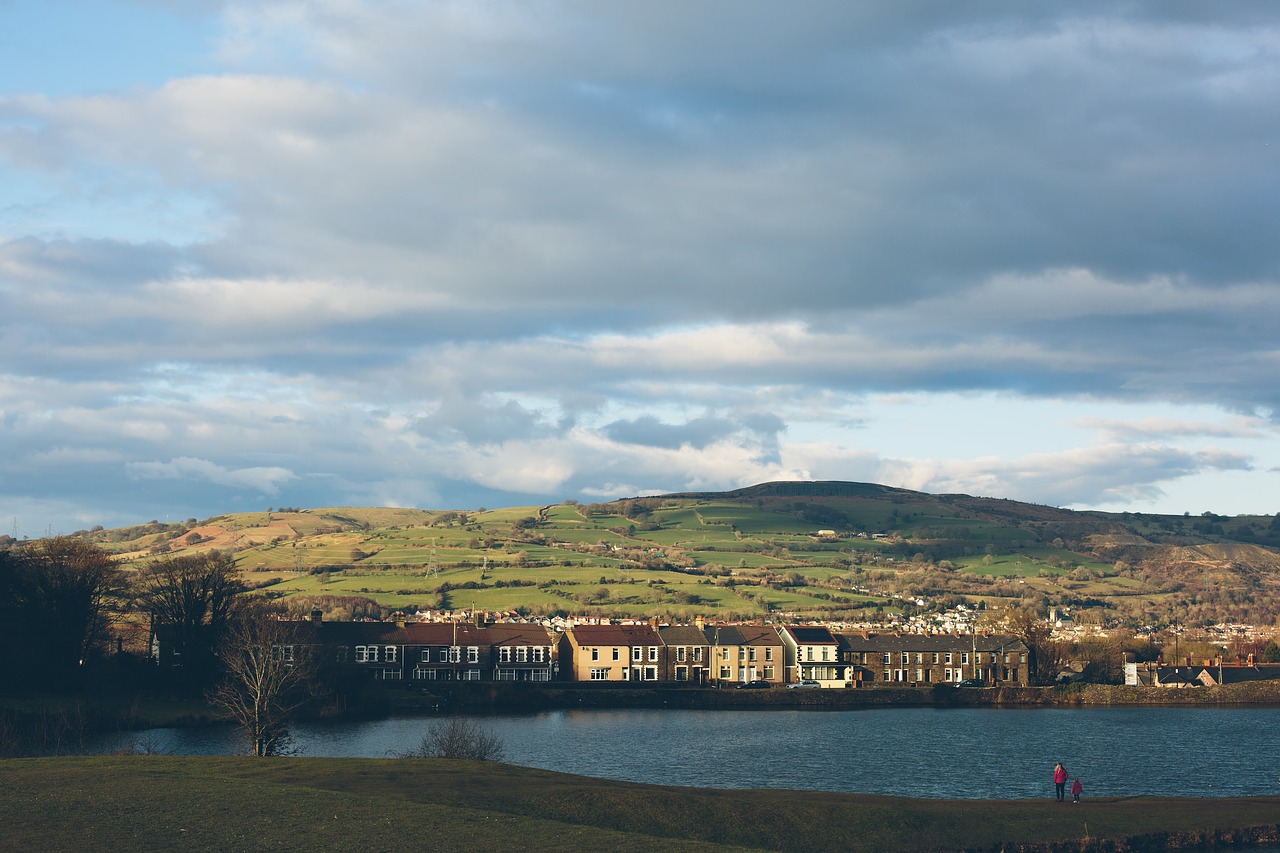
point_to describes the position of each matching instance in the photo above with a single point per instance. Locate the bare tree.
(194, 596)
(269, 676)
(459, 738)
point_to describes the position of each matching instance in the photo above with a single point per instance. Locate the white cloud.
(267, 480)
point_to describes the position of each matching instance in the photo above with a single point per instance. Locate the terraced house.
(813, 655)
(742, 653)
(688, 654)
(935, 659)
(612, 653)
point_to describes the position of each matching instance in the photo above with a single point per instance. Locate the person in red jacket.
(1076, 790)
(1060, 781)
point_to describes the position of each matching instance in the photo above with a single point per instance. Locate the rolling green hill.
(830, 550)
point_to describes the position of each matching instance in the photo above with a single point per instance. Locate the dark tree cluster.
(58, 599)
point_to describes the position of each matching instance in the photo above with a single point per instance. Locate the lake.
(980, 753)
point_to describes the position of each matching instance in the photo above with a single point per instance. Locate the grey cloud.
(648, 430)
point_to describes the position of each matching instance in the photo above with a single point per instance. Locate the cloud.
(1080, 477)
(415, 252)
(267, 480)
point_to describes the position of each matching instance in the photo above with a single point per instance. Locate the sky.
(492, 253)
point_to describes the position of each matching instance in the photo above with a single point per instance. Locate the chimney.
(699, 622)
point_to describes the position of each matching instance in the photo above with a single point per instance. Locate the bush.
(458, 738)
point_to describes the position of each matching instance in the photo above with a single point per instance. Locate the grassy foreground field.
(168, 803)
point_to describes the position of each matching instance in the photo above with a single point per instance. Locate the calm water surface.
(979, 753)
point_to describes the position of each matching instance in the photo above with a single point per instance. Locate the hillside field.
(836, 551)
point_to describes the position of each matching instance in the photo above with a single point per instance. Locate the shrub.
(458, 738)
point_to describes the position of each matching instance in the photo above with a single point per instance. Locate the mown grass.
(167, 803)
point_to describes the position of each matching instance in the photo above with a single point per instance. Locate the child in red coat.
(1076, 790)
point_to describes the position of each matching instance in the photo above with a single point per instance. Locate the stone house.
(935, 659)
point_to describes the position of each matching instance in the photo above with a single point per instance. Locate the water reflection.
(919, 752)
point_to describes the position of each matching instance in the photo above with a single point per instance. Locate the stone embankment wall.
(526, 697)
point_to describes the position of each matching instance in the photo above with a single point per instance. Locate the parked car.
(758, 684)
(971, 682)
(805, 684)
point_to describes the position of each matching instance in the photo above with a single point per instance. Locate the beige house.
(741, 653)
(612, 653)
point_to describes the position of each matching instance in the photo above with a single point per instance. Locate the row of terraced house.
(699, 654)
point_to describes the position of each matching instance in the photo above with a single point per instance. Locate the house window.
(424, 674)
(366, 654)
(768, 673)
(888, 657)
(616, 650)
(595, 654)
(390, 654)
(473, 655)
(724, 654)
(390, 675)
(918, 657)
(935, 657)
(600, 673)
(742, 653)
(522, 654)
(906, 658)
(653, 653)
(697, 654)
(637, 653)
(809, 655)
(471, 675)
(538, 654)
(768, 653)
(455, 654)
(426, 655)
(725, 673)
(888, 675)
(948, 657)
(964, 657)
(504, 654)
(826, 653)
(506, 675)
(682, 673)
(947, 674)
(751, 653)
(650, 673)
(919, 674)
(680, 653)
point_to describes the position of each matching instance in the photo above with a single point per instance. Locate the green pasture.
(737, 559)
